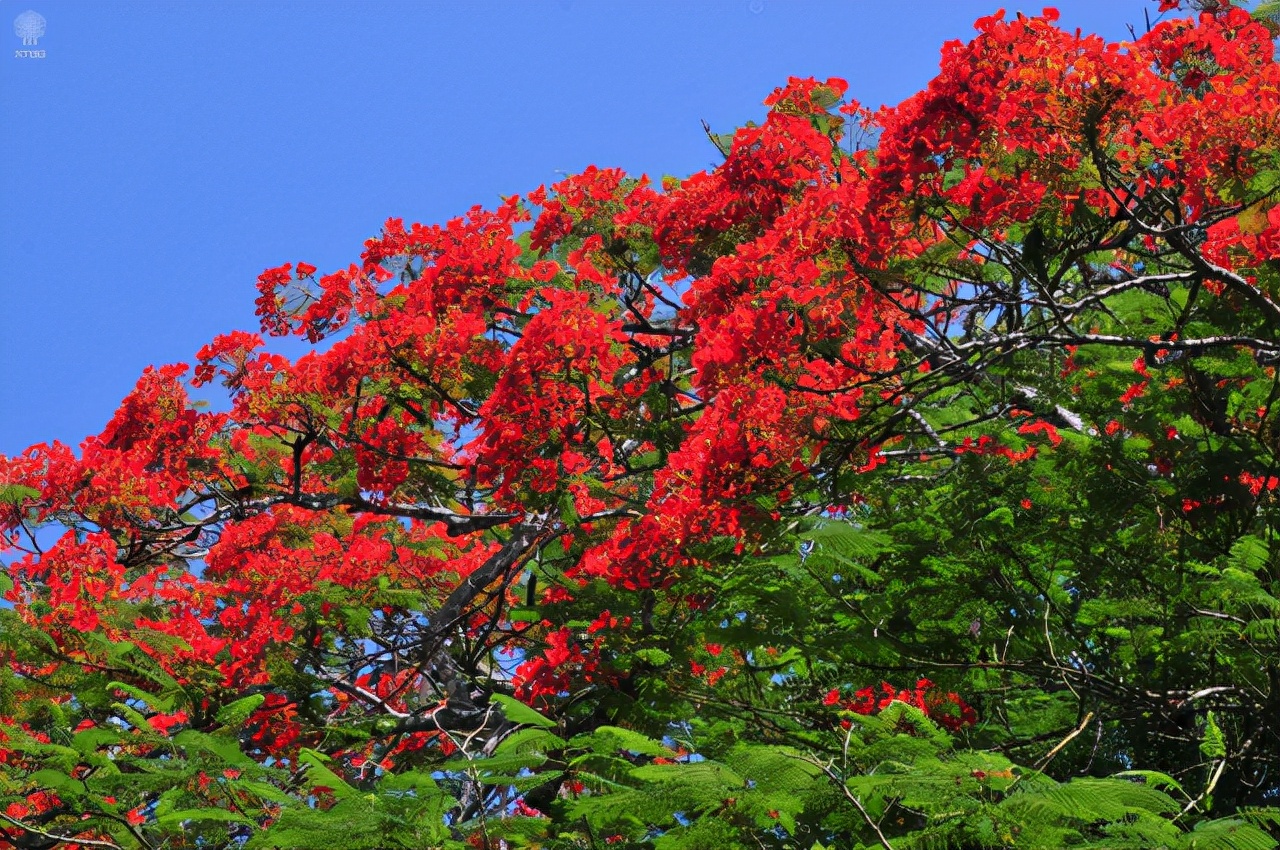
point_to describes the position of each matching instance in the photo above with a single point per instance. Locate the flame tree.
(910, 492)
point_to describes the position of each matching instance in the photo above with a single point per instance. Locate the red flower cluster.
(945, 708)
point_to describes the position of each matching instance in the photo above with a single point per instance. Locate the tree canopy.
(909, 479)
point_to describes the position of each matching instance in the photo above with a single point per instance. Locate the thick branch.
(518, 548)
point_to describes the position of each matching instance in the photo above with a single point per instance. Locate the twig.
(1208, 789)
(1048, 757)
(1048, 607)
(86, 842)
(857, 804)
(706, 128)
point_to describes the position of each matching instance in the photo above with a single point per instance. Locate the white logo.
(29, 26)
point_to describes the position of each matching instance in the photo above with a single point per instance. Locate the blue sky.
(162, 154)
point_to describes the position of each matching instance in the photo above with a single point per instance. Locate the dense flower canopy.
(538, 454)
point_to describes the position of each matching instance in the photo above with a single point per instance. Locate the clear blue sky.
(162, 154)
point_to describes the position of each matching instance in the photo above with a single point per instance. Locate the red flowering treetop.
(541, 443)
